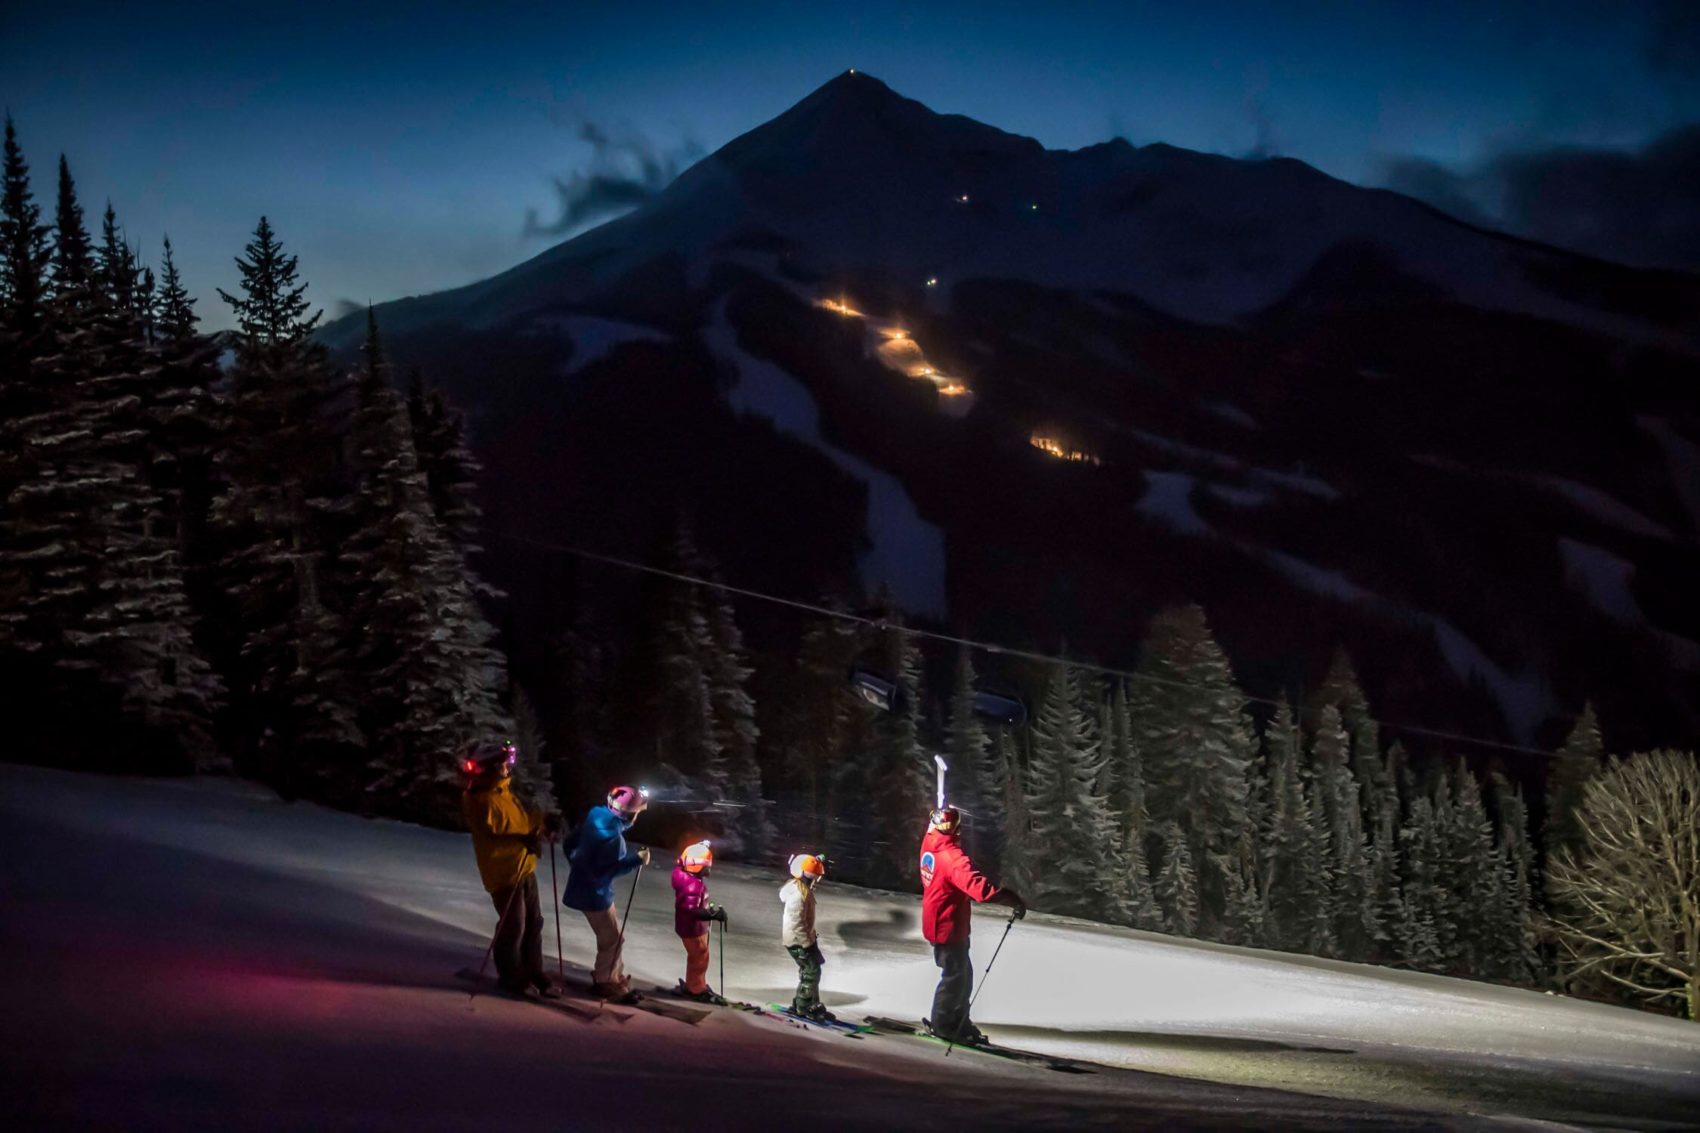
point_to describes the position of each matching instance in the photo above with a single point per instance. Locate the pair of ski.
(780, 1012)
(884, 1026)
(579, 1002)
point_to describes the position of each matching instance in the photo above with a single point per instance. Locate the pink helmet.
(628, 802)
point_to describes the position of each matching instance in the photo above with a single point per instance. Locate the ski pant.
(809, 962)
(956, 986)
(519, 935)
(606, 925)
(696, 963)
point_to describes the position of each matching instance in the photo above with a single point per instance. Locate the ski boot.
(816, 1011)
(969, 1036)
(706, 995)
(546, 987)
(622, 993)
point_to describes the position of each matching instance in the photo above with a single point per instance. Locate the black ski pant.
(809, 961)
(519, 936)
(956, 987)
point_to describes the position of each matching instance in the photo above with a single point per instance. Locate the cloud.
(1639, 207)
(626, 170)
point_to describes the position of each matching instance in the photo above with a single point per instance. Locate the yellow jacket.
(504, 835)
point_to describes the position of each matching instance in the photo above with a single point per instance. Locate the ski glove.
(716, 913)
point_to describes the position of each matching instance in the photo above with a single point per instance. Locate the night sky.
(404, 151)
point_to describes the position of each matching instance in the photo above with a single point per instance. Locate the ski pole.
(500, 921)
(722, 959)
(631, 899)
(983, 977)
(555, 884)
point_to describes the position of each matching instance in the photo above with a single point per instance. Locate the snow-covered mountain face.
(1039, 394)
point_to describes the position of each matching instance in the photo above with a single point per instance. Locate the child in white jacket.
(797, 932)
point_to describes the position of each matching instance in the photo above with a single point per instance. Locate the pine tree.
(1519, 957)
(1473, 875)
(1074, 831)
(74, 279)
(279, 488)
(24, 251)
(175, 311)
(451, 471)
(1018, 858)
(1352, 899)
(901, 783)
(1177, 884)
(1193, 739)
(116, 270)
(1295, 875)
(1424, 904)
(1572, 767)
(1126, 799)
(968, 751)
(102, 609)
(432, 679)
(735, 727)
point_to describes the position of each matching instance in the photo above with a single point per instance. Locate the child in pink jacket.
(691, 916)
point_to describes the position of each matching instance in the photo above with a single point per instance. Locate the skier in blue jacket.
(596, 855)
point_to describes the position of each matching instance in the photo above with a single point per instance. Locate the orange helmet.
(807, 866)
(696, 858)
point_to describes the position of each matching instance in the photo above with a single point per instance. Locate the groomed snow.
(200, 955)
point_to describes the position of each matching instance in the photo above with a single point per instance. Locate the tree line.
(225, 549)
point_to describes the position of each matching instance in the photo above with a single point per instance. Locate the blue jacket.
(596, 855)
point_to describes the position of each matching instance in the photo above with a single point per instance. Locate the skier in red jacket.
(949, 882)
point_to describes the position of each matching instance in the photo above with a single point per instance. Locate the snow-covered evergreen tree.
(1573, 765)
(735, 730)
(901, 779)
(279, 485)
(1125, 793)
(1193, 739)
(1075, 839)
(1177, 883)
(24, 250)
(1518, 954)
(100, 609)
(1018, 860)
(1352, 900)
(1424, 909)
(1473, 875)
(451, 471)
(968, 751)
(1294, 877)
(433, 681)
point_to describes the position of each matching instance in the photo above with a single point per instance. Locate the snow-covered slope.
(199, 955)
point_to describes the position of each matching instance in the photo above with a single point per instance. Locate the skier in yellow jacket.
(506, 838)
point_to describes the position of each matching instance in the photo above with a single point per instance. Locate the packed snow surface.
(201, 955)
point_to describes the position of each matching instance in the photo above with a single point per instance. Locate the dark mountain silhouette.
(1040, 394)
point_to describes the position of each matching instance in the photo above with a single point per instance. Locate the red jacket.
(948, 880)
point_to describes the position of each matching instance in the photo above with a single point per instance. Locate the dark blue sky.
(399, 150)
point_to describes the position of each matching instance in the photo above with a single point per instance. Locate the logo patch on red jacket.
(927, 864)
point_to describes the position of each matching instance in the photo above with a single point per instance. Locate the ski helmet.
(697, 857)
(490, 756)
(807, 866)
(945, 819)
(628, 802)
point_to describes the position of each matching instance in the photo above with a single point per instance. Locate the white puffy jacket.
(798, 927)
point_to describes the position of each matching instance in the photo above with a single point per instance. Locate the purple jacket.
(690, 895)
